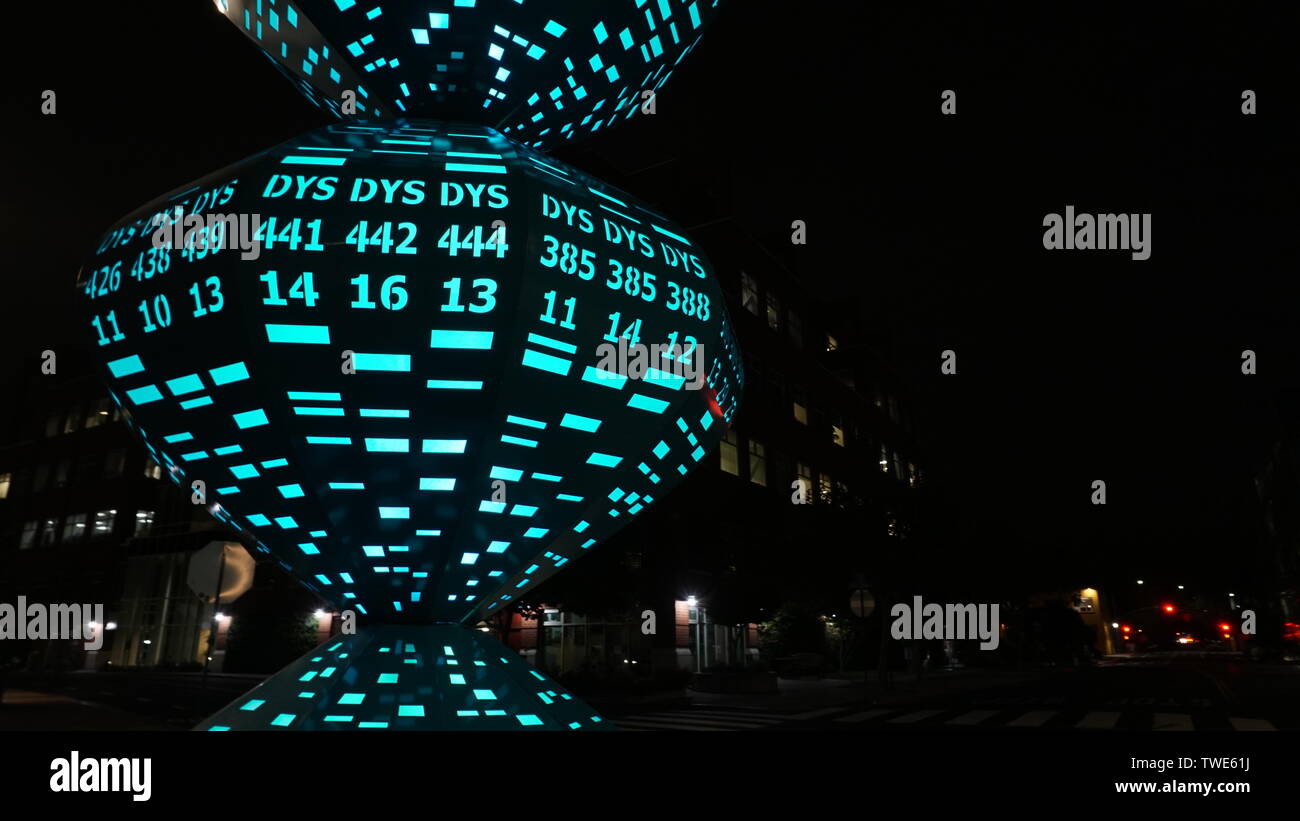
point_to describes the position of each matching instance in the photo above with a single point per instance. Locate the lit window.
(73, 420)
(748, 293)
(884, 458)
(757, 463)
(892, 526)
(913, 475)
(74, 528)
(728, 455)
(49, 530)
(143, 522)
(800, 413)
(104, 521)
(99, 412)
(826, 489)
(773, 312)
(5, 479)
(28, 539)
(837, 435)
(152, 469)
(832, 344)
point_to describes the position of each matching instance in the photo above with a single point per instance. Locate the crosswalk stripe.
(1098, 720)
(1034, 718)
(726, 724)
(663, 725)
(816, 713)
(1171, 721)
(1251, 724)
(718, 714)
(973, 717)
(912, 718)
(856, 717)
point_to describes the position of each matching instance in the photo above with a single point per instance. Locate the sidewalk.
(809, 694)
(849, 690)
(27, 710)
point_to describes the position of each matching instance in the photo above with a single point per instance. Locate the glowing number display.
(355, 344)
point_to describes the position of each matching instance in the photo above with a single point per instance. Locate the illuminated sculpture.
(542, 71)
(423, 366)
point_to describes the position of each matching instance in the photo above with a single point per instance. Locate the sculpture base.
(408, 677)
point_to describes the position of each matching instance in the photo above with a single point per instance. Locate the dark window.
(748, 293)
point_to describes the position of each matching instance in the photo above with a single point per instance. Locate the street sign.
(236, 577)
(862, 602)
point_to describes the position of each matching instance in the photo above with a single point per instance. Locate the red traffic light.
(1169, 608)
(1127, 629)
(1225, 627)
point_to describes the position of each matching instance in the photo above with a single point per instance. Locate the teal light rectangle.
(646, 403)
(437, 483)
(314, 160)
(384, 413)
(126, 366)
(315, 396)
(526, 422)
(377, 445)
(582, 423)
(298, 334)
(381, 362)
(312, 411)
(197, 402)
(604, 378)
(604, 460)
(328, 440)
(548, 342)
(461, 340)
(546, 362)
(443, 446)
(453, 385)
(144, 395)
(347, 485)
(475, 168)
(250, 419)
(234, 372)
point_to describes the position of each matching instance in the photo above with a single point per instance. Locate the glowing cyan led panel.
(433, 677)
(407, 390)
(541, 71)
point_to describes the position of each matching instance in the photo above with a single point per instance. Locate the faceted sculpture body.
(407, 396)
(543, 71)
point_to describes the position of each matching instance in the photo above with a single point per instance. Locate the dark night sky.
(1072, 366)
